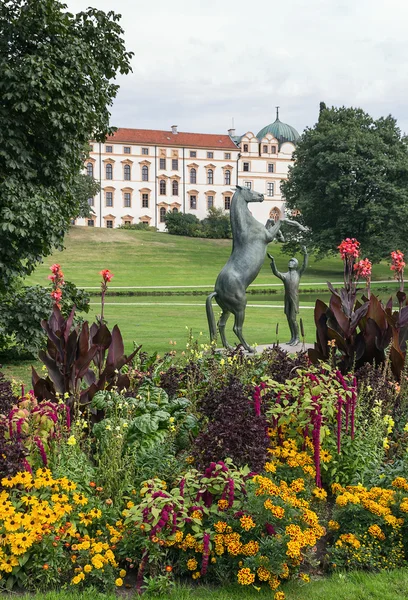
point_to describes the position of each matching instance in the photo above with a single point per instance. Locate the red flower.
(106, 275)
(397, 262)
(349, 248)
(363, 269)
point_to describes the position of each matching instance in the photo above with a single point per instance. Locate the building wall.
(170, 184)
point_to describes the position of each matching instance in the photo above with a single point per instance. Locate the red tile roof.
(167, 138)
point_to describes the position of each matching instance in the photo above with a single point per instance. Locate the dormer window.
(265, 150)
(245, 147)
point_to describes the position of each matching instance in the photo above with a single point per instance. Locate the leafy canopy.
(55, 89)
(350, 179)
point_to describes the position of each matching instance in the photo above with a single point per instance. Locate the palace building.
(145, 173)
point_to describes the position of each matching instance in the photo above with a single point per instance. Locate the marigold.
(245, 576)
(119, 582)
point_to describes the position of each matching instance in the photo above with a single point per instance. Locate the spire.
(277, 113)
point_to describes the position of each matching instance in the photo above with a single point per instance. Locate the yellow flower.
(223, 504)
(118, 581)
(71, 441)
(122, 573)
(192, 564)
(334, 525)
(245, 576)
(88, 568)
(320, 493)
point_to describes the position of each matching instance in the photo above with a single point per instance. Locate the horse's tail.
(210, 316)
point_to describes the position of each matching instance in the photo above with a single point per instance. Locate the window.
(270, 189)
(162, 187)
(227, 177)
(91, 202)
(193, 202)
(126, 200)
(90, 222)
(108, 148)
(210, 176)
(248, 184)
(162, 163)
(162, 214)
(126, 149)
(174, 164)
(245, 147)
(210, 154)
(127, 222)
(245, 166)
(89, 169)
(265, 149)
(145, 200)
(145, 173)
(210, 201)
(227, 202)
(109, 224)
(227, 156)
(271, 168)
(273, 149)
(90, 148)
(175, 188)
(175, 210)
(109, 171)
(126, 172)
(193, 176)
(109, 198)
(193, 154)
(145, 151)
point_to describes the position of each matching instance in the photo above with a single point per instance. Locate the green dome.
(281, 131)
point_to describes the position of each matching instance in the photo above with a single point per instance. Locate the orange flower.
(46, 567)
(169, 568)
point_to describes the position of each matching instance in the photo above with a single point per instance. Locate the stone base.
(291, 349)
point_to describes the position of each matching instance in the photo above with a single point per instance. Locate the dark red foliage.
(170, 380)
(7, 399)
(280, 365)
(233, 430)
(377, 387)
(12, 453)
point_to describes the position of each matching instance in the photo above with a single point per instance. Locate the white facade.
(143, 174)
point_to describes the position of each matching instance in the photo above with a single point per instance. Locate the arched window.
(126, 172)
(245, 147)
(210, 176)
(89, 169)
(145, 173)
(162, 214)
(275, 214)
(193, 176)
(273, 149)
(227, 177)
(175, 188)
(162, 187)
(109, 171)
(175, 210)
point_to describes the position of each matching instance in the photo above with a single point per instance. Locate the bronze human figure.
(249, 242)
(291, 281)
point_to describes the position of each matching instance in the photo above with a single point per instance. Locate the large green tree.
(56, 86)
(350, 179)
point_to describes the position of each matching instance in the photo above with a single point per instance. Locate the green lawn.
(139, 258)
(353, 586)
(142, 258)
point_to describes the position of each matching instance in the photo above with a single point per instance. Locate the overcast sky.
(200, 64)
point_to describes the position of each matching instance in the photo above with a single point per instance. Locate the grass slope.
(139, 258)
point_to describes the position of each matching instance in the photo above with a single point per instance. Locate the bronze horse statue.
(249, 243)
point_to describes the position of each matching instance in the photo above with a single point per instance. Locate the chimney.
(231, 132)
(174, 129)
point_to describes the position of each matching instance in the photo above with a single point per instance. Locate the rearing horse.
(249, 243)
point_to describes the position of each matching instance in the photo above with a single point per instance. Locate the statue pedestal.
(291, 349)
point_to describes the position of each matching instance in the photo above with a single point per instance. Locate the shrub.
(223, 525)
(12, 453)
(233, 428)
(138, 227)
(22, 311)
(183, 224)
(7, 398)
(53, 534)
(368, 527)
